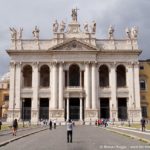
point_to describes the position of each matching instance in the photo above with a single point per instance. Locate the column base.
(13, 114)
(90, 116)
(34, 117)
(57, 114)
(134, 115)
(114, 115)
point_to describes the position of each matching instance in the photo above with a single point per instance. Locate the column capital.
(18, 64)
(35, 64)
(113, 64)
(12, 64)
(87, 62)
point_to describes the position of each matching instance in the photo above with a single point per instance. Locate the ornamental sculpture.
(134, 32)
(128, 33)
(62, 26)
(111, 32)
(36, 32)
(86, 28)
(19, 33)
(55, 26)
(13, 33)
(74, 14)
(93, 27)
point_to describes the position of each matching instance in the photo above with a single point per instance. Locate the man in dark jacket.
(143, 124)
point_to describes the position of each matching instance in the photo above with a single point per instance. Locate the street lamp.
(23, 111)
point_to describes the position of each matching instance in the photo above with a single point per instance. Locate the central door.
(74, 108)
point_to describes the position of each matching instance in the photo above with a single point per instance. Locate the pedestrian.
(15, 127)
(69, 131)
(54, 124)
(143, 124)
(0, 124)
(50, 125)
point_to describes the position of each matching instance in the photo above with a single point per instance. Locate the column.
(130, 84)
(81, 118)
(80, 78)
(67, 78)
(87, 86)
(137, 86)
(61, 86)
(93, 86)
(35, 85)
(113, 100)
(18, 88)
(11, 92)
(54, 86)
(67, 108)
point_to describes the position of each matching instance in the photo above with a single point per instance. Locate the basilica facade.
(74, 75)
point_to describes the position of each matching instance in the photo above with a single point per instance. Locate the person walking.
(54, 124)
(50, 125)
(69, 131)
(0, 124)
(15, 127)
(143, 124)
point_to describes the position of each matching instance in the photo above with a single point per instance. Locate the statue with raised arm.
(13, 33)
(19, 33)
(128, 33)
(36, 32)
(134, 32)
(86, 27)
(55, 26)
(93, 27)
(74, 14)
(62, 26)
(111, 32)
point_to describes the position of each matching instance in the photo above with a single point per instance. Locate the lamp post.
(23, 111)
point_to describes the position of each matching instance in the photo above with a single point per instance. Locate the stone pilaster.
(113, 100)
(35, 99)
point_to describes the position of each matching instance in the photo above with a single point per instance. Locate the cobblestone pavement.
(84, 138)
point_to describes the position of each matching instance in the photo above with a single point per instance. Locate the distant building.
(74, 75)
(4, 95)
(145, 87)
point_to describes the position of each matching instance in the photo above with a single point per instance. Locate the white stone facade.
(83, 50)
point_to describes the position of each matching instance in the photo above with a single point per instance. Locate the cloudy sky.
(28, 13)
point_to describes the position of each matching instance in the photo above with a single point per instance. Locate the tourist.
(69, 131)
(54, 124)
(143, 124)
(50, 125)
(15, 126)
(0, 124)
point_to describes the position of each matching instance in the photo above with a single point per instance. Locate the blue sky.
(28, 13)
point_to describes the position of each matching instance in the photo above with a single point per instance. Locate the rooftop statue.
(111, 32)
(134, 32)
(86, 28)
(128, 33)
(19, 33)
(74, 14)
(13, 33)
(36, 32)
(55, 26)
(93, 27)
(62, 26)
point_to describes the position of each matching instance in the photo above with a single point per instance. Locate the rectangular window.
(6, 97)
(141, 67)
(144, 111)
(142, 85)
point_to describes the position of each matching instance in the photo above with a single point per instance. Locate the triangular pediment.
(73, 45)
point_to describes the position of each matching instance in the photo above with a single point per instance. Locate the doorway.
(104, 108)
(122, 109)
(26, 109)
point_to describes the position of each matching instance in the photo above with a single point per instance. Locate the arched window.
(74, 75)
(27, 76)
(44, 76)
(121, 76)
(103, 76)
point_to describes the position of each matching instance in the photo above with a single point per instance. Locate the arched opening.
(27, 76)
(74, 75)
(44, 76)
(121, 76)
(103, 76)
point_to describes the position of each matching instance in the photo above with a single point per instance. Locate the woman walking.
(15, 126)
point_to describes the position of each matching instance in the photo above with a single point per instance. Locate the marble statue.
(62, 26)
(134, 32)
(13, 33)
(74, 14)
(128, 33)
(36, 32)
(19, 33)
(55, 26)
(111, 32)
(86, 28)
(93, 27)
